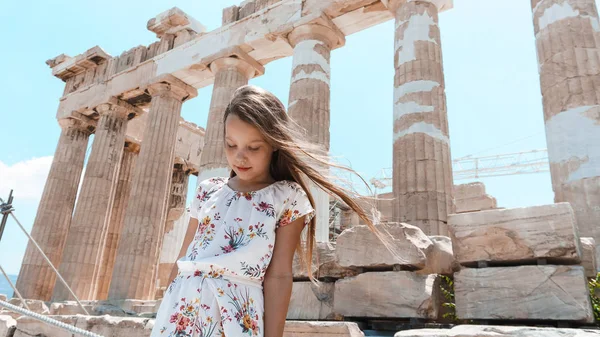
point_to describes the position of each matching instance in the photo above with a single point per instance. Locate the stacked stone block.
(471, 197)
(520, 264)
(361, 278)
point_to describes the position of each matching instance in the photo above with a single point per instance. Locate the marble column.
(36, 279)
(422, 167)
(230, 74)
(84, 246)
(174, 228)
(130, 155)
(135, 271)
(309, 99)
(567, 34)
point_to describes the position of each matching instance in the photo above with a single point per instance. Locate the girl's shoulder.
(291, 186)
(209, 183)
(289, 189)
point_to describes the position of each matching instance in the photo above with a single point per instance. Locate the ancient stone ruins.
(515, 271)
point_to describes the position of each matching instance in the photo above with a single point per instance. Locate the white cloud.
(27, 178)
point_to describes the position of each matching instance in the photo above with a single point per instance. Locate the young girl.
(234, 274)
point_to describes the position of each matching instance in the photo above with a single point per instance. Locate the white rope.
(48, 320)
(14, 288)
(49, 262)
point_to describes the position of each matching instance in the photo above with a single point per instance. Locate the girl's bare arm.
(277, 286)
(189, 236)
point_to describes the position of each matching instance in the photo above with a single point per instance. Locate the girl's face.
(248, 153)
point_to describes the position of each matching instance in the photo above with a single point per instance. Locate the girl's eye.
(252, 149)
(230, 145)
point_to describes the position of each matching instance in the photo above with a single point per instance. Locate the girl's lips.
(243, 168)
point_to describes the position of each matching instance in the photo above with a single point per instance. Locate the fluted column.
(174, 228)
(422, 168)
(230, 74)
(130, 155)
(82, 256)
(134, 274)
(567, 34)
(36, 279)
(309, 99)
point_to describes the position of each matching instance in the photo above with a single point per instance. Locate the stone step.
(517, 235)
(498, 331)
(141, 327)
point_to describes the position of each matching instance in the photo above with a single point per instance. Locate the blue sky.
(492, 88)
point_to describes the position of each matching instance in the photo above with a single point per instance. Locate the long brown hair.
(295, 157)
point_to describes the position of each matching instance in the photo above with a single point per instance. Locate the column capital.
(235, 57)
(120, 107)
(442, 5)
(171, 85)
(322, 29)
(78, 124)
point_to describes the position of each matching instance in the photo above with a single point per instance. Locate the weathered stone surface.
(440, 260)
(116, 326)
(498, 331)
(69, 308)
(517, 234)
(12, 314)
(141, 327)
(588, 260)
(97, 308)
(526, 292)
(139, 307)
(566, 36)
(479, 203)
(102, 325)
(388, 294)
(255, 33)
(359, 247)
(7, 326)
(173, 21)
(422, 167)
(34, 305)
(36, 279)
(27, 327)
(230, 14)
(309, 302)
(321, 329)
(324, 264)
(469, 190)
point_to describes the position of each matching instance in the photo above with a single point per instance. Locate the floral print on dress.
(294, 207)
(204, 235)
(266, 208)
(192, 319)
(218, 289)
(245, 313)
(238, 237)
(258, 270)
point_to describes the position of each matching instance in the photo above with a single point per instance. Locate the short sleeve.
(295, 205)
(203, 192)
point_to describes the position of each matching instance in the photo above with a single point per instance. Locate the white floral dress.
(218, 290)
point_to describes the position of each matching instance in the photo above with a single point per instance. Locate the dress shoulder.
(294, 204)
(204, 190)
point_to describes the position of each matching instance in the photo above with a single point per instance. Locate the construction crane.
(469, 167)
